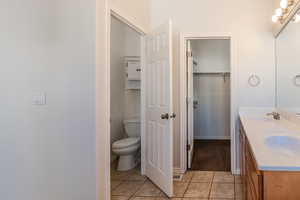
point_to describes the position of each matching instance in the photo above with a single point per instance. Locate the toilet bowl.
(127, 148)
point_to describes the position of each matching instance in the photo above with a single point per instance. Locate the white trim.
(237, 172)
(177, 170)
(233, 102)
(211, 137)
(182, 102)
(143, 107)
(107, 161)
(102, 113)
(127, 22)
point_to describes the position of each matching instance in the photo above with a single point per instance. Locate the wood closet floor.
(211, 155)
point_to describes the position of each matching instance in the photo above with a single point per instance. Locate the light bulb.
(297, 18)
(274, 18)
(284, 4)
(279, 12)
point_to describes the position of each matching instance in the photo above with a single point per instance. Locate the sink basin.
(285, 144)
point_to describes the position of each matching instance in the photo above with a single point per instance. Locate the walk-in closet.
(210, 88)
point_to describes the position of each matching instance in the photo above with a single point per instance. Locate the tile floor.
(195, 185)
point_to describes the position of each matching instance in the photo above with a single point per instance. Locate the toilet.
(127, 149)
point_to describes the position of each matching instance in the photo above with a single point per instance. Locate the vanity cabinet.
(265, 185)
(251, 176)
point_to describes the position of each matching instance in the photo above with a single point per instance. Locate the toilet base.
(127, 162)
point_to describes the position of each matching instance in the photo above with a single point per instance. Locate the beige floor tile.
(200, 190)
(148, 189)
(119, 198)
(127, 188)
(195, 199)
(136, 176)
(220, 199)
(114, 184)
(223, 177)
(135, 170)
(119, 176)
(202, 176)
(180, 188)
(149, 198)
(238, 191)
(187, 177)
(222, 190)
(237, 179)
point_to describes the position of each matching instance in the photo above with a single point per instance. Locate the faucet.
(275, 115)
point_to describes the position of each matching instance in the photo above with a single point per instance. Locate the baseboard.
(211, 137)
(237, 172)
(177, 170)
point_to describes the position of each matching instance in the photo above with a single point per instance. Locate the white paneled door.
(159, 108)
(190, 103)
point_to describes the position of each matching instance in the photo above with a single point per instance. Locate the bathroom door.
(190, 103)
(159, 108)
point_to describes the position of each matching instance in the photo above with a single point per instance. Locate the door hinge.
(188, 147)
(189, 54)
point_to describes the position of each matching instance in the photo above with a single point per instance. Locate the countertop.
(260, 128)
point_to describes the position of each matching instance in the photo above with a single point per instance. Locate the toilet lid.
(127, 142)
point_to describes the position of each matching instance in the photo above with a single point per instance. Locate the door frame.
(233, 96)
(112, 13)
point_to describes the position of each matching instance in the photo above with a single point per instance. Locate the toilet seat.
(125, 143)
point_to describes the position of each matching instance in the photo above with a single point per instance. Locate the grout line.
(189, 182)
(234, 187)
(212, 180)
(134, 194)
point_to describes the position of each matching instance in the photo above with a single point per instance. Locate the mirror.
(288, 67)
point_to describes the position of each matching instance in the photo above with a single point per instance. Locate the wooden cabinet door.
(242, 161)
(253, 175)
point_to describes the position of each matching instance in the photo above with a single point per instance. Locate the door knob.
(164, 116)
(173, 116)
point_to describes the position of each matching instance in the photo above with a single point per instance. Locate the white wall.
(211, 55)
(132, 104)
(125, 104)
(212, 115)
(117, 80)
(135, 11)
(288, 66)
(248, 22)
(102, 102)
(48, 152)
(211, 91)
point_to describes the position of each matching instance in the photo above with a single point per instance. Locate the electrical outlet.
(39, 99)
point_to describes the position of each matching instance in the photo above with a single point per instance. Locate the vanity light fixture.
(280, 13)
(275, 18)
(284, 4)
(296, 19)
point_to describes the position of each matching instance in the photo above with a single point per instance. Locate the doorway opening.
(125, 106)
(208, 116)
(141, 110)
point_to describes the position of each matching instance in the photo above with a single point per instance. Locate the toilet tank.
(132, 127)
